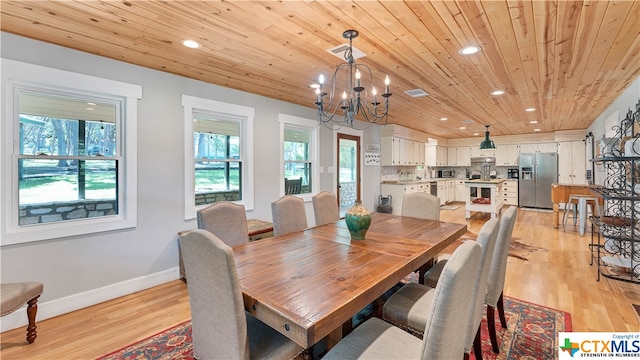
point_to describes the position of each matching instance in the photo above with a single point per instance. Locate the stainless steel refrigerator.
(537, 172)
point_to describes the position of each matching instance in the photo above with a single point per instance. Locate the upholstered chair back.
(449, 314)
(498, 268)
(218, 322)
(325, 208)
(487, 240)
(421, 205)
(226, 220)
(289, 215)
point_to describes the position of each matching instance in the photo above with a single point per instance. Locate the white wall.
(618, 109)
(85, 270)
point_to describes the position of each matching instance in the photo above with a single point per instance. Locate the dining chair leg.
(491, 326)
(477, 345)
(32, 309)
(503, 319)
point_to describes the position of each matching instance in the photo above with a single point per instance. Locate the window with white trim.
(299, 154)
(218, 153)
(68, 169)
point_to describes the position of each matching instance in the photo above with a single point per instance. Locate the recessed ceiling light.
(497, 92)
(192, 44)
(533, 122)
(443, 119)
(469, 50)
(530, 109)
(536, 129)
(476, 134)
(463, 128)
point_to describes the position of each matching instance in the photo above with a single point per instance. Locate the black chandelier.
(348, 94)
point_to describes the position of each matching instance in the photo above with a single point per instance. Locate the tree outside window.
(217, 159)
(297, 159)
(67, 155)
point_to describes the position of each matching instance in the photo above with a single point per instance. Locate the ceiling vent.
(416, 93)
(340, 49)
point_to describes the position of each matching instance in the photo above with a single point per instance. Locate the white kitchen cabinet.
(404, 154)
(418, 154)
(441, 156)
(463, 155)
(397, 192)
(389, 151)
(461, 191)
(398, 151)
(452, 156)
(475, 151)
(458, 156)
(549, 147)
(572, 162)
(436, 155)
(509, 192)
(422, 154)
(451, 190)
(507, 155)
(443, 194)
(446, 191)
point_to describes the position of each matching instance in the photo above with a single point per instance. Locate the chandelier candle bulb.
(386, 84)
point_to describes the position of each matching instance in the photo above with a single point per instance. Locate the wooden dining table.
(307, 284)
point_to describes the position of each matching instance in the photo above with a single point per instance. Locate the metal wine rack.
(615, 236)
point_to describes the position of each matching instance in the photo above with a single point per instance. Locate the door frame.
(348, 134)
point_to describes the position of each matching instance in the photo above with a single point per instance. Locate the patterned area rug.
(518, 249)
(449, 207)
(531, 334)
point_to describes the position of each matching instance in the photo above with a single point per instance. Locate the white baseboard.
(56, 307)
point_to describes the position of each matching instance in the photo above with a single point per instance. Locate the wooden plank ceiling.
(567, 59)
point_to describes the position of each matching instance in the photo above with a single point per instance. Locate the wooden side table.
(259, 229)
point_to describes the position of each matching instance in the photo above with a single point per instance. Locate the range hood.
(482, 160)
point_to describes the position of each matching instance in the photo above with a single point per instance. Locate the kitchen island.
(484, 196)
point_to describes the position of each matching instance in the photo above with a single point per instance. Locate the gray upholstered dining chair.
(377, 339)
(497, 273)
(226, 220)
(421, 205)
(409, 306)
(288, 215)
(221, 329)
(325, 208)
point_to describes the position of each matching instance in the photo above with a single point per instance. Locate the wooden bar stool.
(14, 295)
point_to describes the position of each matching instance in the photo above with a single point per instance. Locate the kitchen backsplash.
(411, 173)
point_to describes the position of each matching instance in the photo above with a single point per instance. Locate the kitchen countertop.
(407, 182)
(480, 181)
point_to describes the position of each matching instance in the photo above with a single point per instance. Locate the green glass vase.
(358, 220)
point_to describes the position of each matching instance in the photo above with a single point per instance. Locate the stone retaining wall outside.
(69, 210)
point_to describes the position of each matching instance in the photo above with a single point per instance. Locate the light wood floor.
(559, 277)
